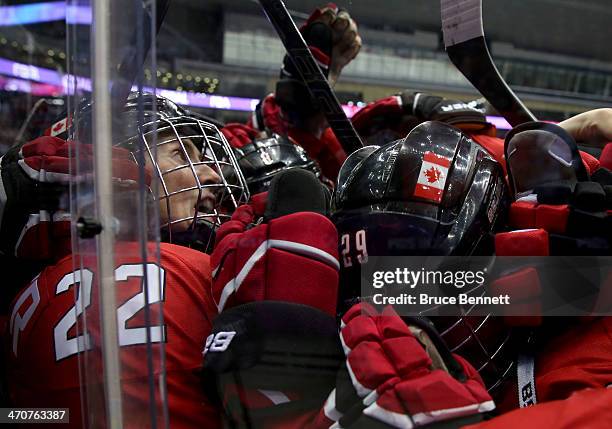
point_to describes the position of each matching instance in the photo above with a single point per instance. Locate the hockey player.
(54, 357)
(556, 209)
(278, 371)
(382, 208)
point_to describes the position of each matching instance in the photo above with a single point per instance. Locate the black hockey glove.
(453, 112)
(271, 361)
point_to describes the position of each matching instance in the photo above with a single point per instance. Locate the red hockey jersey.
(54, 340)
(571, 375)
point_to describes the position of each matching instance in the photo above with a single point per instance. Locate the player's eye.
(179, 153)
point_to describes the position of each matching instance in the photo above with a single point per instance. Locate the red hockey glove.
(400, 375)
(290, 254)
(239, 135)
(325, 149)
(34, 207)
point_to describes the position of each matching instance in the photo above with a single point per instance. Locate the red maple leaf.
(58, 126)
(433, 174)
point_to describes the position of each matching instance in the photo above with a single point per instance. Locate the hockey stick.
(38, 107)
(133, 60)
(466, 47)
(130, 67)
(311, 74)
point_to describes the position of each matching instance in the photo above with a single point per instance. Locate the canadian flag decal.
(58, 128)
(432, 177)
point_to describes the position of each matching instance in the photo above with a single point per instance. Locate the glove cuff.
(291, 92)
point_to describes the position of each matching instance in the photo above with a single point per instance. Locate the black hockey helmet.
(265, 157)
(436, 192)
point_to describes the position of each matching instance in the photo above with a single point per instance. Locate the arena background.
(553, 53)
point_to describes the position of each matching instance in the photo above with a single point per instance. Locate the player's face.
(183, 190)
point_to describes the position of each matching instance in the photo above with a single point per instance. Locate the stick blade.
(466, 46)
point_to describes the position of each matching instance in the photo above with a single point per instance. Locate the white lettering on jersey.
(18, 322)
(361, 249)
(155, 288)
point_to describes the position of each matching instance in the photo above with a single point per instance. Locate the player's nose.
(207, 175)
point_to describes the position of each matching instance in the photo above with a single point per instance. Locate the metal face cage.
(207, 175)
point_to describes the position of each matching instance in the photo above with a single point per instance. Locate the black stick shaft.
(311, 74)
(133, 61)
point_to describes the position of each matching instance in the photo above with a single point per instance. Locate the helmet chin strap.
(199, 236)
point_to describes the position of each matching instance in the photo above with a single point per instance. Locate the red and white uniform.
(53, 346)
(573, 376)
(572, 370)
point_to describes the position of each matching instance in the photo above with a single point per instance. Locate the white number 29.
(361, 250)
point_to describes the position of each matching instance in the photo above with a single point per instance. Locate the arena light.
(56, 85)
(36, 13)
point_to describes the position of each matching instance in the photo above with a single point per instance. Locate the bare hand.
(345, 37)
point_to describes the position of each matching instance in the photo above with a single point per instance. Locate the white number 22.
(65, 346)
